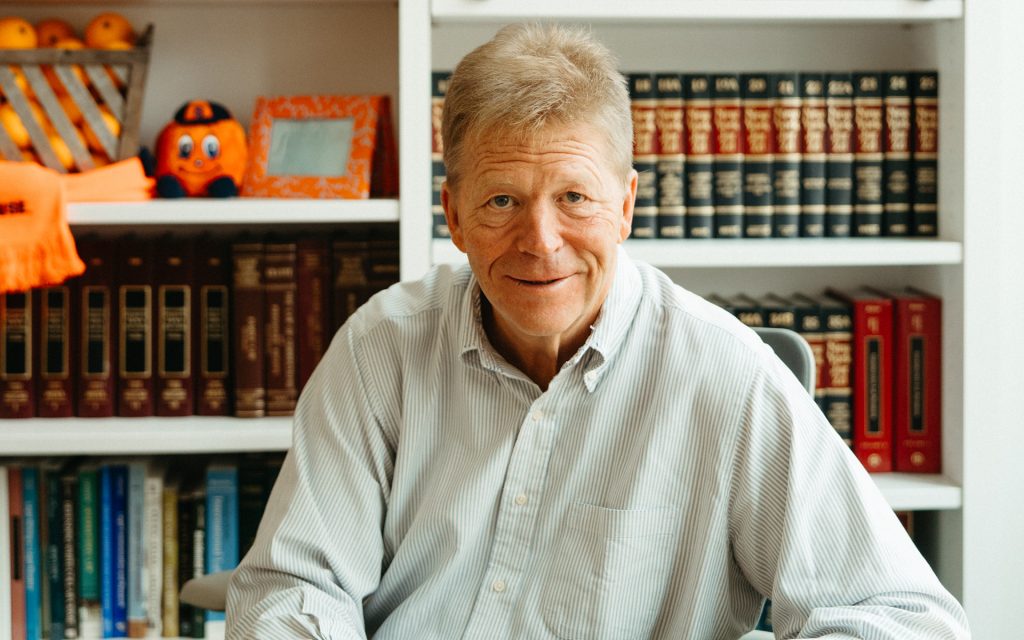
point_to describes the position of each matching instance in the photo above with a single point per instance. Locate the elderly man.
(556, 442)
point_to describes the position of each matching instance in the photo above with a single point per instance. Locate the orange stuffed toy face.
(201, 153)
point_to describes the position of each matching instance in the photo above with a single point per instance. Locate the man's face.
(540, 222)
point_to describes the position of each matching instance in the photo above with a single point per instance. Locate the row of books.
(184, 325)
(102, 548)
(784, 155)
(878, 361)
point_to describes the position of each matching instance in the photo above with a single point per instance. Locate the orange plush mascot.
(201, 153)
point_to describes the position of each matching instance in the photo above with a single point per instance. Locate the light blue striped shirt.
(672, 476)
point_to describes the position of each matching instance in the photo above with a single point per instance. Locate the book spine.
(917, 415)
(44, 549)
(671, 156)
(248, 327)
(186, 564)
(152, 565)
(758, 148)
(17, 395)
(839, 159)
(439, 87)
(312, 304)
(88, 543)
(97, 331)
(747, 310)
(221, 523)
(32, 552)
(16, 507)
(119, 561)
(7, 547)
(252, 498)
(198, 556)
(872, 386)
(212, 320)
(281, 374)
(53, 548)
(925, 153)
(56, 393)
(69, 559)
(136, 604)
(135, 334)
(896, 154)
(727, 126)
(351, 277)
(699, 167)
(786, 164)
(169, 589)
(814, 154)
(868, 203)
(643, 106)
(175, 382)
(837, 320)
(807, 317)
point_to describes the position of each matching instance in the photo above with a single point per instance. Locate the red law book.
(250, 397)
(96, 330)
(135, 328)
(175, 382)
(55, 391)
(314, 282)
(279, 333)
(211, 340)
(917, 392)
(872, 378)
(16, 508)
(17, 392)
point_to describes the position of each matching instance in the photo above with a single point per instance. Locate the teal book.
(88, 547)
(53, 555)
(32, 552)
(221, 522)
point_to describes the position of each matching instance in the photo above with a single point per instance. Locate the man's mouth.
(535, 282)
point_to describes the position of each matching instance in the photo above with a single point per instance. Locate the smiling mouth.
(536, 283)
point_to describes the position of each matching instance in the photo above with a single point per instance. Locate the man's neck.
(539, 358)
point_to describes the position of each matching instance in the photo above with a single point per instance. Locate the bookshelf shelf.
(772, 253)
(115, 436)
(697, 10)
(232, 211)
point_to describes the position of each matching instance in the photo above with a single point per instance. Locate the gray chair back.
(794, 352)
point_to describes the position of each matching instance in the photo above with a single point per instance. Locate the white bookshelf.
(232, 211)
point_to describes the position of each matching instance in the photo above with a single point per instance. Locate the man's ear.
(451, 215)
(628, 201)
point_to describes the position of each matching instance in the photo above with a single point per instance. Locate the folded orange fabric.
(36, 245)
(118, 182)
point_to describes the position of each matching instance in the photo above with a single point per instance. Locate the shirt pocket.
(609, 573)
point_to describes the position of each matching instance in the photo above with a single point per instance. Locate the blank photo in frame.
(321, 147)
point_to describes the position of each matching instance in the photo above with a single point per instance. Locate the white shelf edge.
(114, 436)
(454, 11)
(207, 211)
(798, 252)
(197, 434)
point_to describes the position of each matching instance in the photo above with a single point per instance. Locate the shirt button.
(521, 499)
(537, 415)
(498, 586)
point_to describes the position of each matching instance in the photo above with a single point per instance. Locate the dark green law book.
(778, 312)
(813, 145)
(699, 169)
(643, 106)
(807, 318)
(837, 326)
(748, 310)
(924, 91)
(786, 162)
(727, 125)
(867, 155)
(896, 154)
(671, 155)
(758, 104)
(69, 560)
(839, 155)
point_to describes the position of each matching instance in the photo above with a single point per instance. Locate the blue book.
(113, 551)
(33, 558)
(136, 510)
(221, 522)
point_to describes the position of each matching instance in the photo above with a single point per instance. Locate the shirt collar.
(606, 336)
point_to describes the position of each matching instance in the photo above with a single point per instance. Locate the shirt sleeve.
(319, 550)
(811, 530)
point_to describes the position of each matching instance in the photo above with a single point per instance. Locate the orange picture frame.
(321, 147)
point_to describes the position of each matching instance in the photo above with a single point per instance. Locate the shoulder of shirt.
(686, 312)
(408, 303)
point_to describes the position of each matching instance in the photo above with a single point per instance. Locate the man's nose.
(540, 231)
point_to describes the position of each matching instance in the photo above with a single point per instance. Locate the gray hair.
(531, 76)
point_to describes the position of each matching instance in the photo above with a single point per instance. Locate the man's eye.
(501, 202)
(574, 197)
